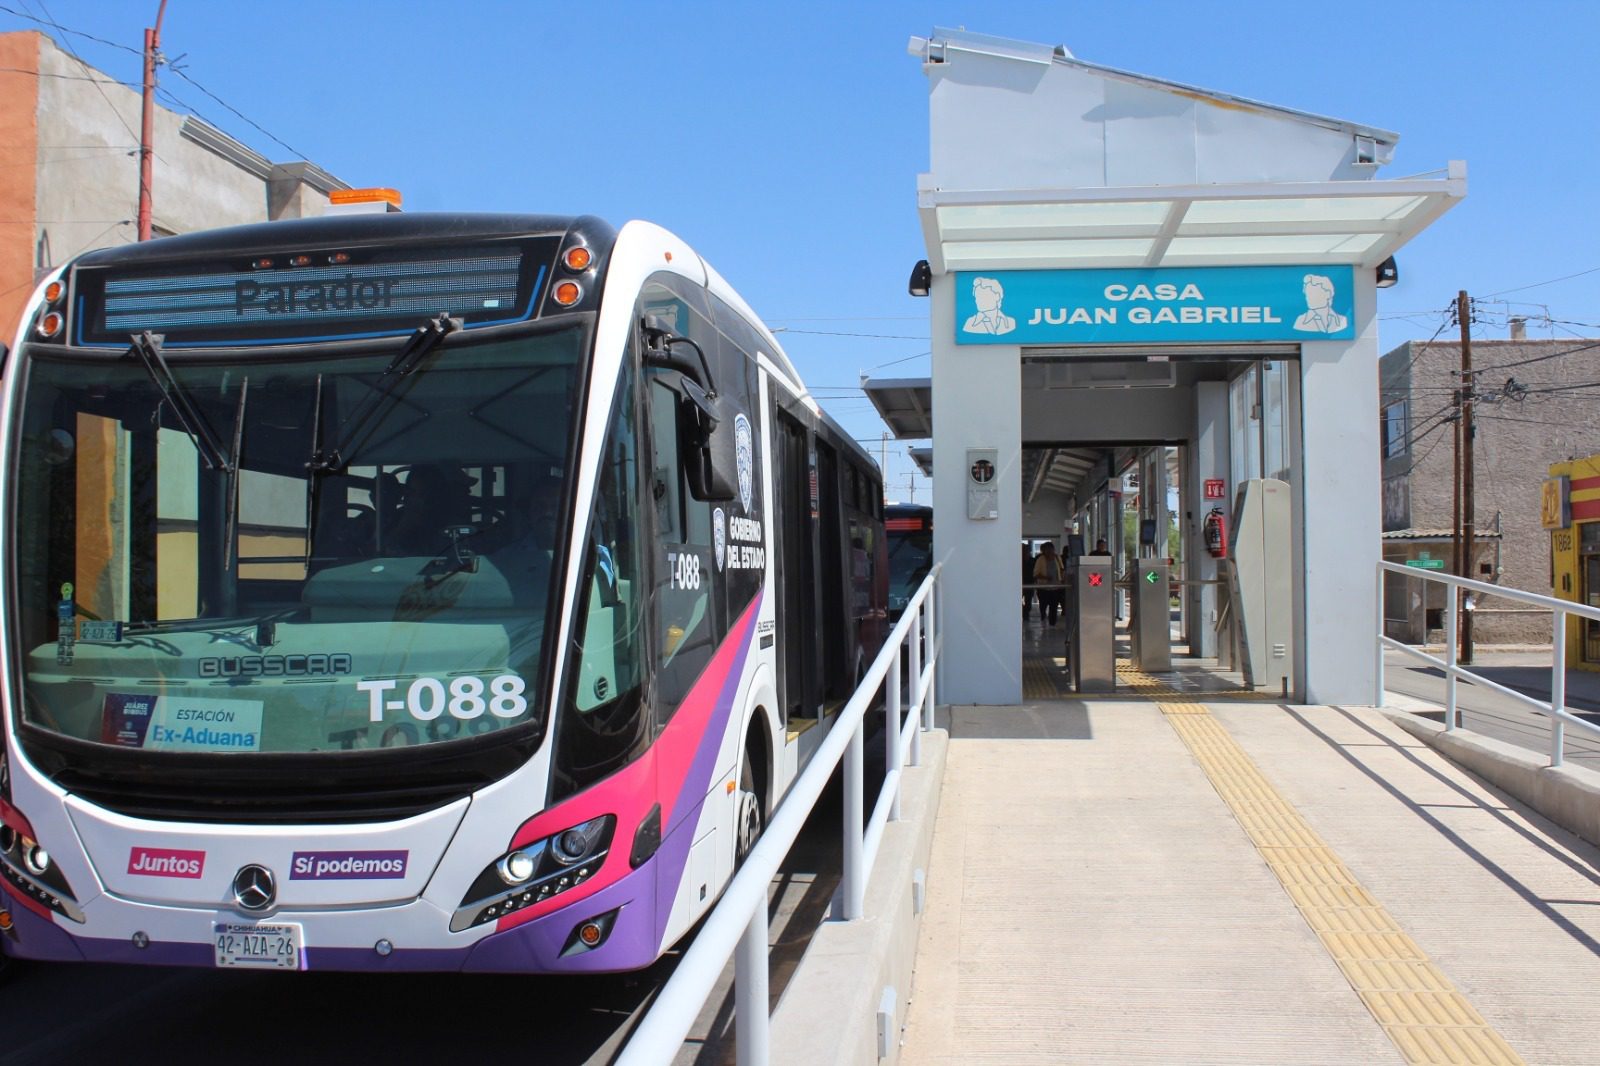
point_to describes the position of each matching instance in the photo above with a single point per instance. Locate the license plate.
(258, 947)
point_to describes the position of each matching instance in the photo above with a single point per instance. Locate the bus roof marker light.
(54, 291)
(50, 324)
(568, 293)
(578, 258)
(339, 258)
(365, 196)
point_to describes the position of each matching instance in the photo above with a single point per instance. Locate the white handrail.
(1555, 709)
(737, 925)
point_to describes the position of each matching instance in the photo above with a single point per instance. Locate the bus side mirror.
(706, 434)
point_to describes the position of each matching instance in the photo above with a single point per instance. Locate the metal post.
(1469, 536)
(855, 876)
(918, 629)
(935, 601)
(1377, 696)
(1558, 688)
(894, 713)
(1450, 658)
(752, 1024)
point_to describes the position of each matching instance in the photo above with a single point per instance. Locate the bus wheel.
(750, 818)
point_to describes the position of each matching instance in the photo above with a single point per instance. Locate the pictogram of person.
(1320, 317)
(987, 294)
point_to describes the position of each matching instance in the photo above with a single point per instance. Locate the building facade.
(71, 179)
(1534, 405)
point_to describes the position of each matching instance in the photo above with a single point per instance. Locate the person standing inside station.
(1047, 571)
(1028, 594)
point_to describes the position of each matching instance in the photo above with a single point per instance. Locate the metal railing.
(1555, 709)
(737, 925)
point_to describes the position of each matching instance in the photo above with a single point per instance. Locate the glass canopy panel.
(1242, 248)
(1310, 210)
(957, 218)
(1078, 252)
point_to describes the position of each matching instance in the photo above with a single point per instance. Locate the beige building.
(1535, 404)
(71, 178)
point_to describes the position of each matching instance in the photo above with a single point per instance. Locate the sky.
(783, 141)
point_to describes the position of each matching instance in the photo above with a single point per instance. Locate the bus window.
(602, 725)
(686, 626)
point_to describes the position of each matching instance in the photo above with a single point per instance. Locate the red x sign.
(1094, 579)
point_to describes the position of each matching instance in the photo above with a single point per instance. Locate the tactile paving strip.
(1428, 1019)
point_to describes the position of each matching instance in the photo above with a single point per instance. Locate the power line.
(1552, 281)
(73, 53)
(237, 113)
(63, 29)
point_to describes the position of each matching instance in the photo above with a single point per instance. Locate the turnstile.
(1091, 643)
(1150, 626)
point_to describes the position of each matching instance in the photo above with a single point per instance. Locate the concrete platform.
(1133, 882)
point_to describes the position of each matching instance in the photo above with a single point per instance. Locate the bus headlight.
(27, 867)
(535, 872)
(518, 866)
(576, 844)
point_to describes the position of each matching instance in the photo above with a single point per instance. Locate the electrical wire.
(1537, 284)
(73, 53)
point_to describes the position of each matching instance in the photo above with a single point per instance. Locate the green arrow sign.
(1150, 576)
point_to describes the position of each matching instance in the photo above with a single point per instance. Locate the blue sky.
(783, 141)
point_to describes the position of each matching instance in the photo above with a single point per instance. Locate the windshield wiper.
(146, 348)
(427, 337)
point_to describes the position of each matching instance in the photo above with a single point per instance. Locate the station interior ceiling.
(1062, 468)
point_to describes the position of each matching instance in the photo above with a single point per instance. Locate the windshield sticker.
(347, 865)
(100, 632)
(314, 665)
(126, 721)
(195, 723)
(464, 698)
(166, 862)
(65, 636)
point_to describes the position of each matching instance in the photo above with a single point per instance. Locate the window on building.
(1396, 427)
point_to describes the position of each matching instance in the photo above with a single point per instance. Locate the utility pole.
(1468, 540)
(152, 47)
(911, 488)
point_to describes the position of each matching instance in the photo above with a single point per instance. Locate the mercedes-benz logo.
(254, 888)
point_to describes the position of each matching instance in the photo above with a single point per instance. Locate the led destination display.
(390, 292)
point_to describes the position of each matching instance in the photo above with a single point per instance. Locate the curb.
(1567, 795)
(846, 1002)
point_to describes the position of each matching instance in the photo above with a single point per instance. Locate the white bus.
(409, 592)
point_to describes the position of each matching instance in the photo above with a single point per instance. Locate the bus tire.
(750, 815)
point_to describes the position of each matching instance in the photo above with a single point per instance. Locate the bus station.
(489, 596)
(1155, 268)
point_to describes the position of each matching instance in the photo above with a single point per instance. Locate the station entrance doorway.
(1172, 477)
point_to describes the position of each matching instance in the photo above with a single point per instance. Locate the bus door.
(832, 581)
(799, 686)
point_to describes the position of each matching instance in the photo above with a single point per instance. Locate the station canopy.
(1360, 223)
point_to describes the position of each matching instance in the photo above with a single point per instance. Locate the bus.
(409, 592)
(909, 527)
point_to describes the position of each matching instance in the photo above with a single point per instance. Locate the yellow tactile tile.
(1422, 1012)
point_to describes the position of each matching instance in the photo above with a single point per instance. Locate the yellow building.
(1570, 510)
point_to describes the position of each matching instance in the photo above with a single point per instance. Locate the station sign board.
(1155, 305)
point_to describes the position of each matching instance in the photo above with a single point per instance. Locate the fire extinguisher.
(1215, 532)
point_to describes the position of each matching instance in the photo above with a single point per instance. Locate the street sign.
(1426, 564)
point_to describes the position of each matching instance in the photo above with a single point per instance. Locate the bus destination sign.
(390, 292)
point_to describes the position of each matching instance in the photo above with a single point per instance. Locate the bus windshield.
(194, 573)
